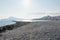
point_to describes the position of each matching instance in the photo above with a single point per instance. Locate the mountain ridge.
(8, 21)
(48, 18)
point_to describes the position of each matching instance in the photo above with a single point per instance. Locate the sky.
(29, 9)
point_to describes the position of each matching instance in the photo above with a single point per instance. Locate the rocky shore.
(12, 26)
(49, 30)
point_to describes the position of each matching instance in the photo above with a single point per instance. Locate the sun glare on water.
(26, 3)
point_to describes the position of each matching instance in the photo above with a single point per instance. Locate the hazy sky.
(29, 8)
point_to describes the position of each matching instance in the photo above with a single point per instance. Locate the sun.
(26, 3)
